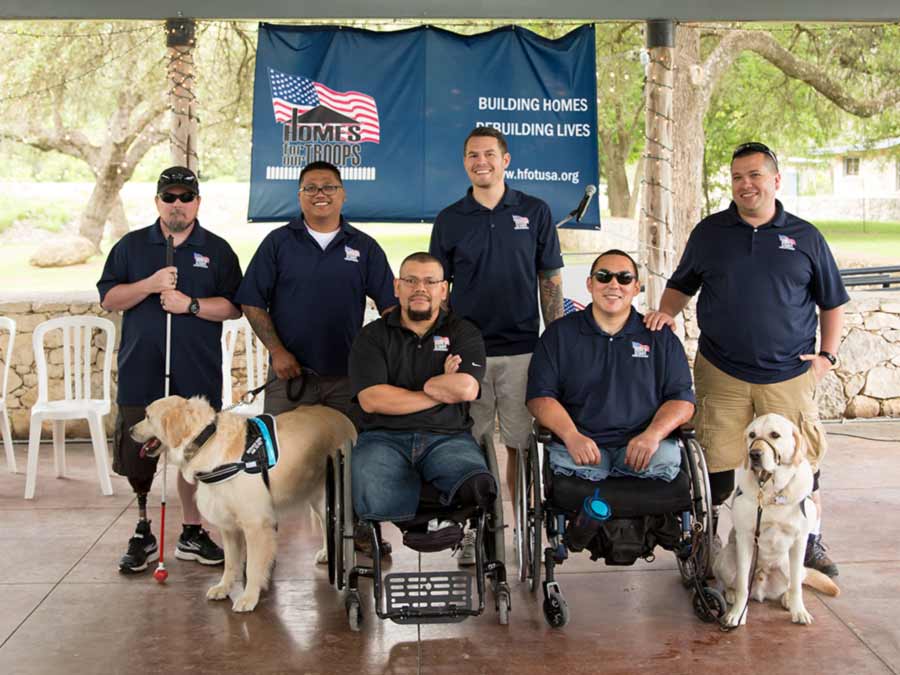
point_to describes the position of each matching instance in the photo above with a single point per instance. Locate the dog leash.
(250, 395)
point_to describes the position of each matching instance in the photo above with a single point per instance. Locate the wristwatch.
(194, 308)
(832, 359)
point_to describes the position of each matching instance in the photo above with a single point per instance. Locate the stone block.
(863, 407)
(883, 382)
(830, 397)
(854, 384)
(891, 407)
(879, 321)
(861, 351)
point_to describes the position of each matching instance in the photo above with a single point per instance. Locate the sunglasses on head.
(605, 276)
(171, 197)
(746, 148)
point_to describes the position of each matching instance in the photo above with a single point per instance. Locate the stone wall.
(866, 382)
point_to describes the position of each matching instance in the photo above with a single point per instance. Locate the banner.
(392, 111)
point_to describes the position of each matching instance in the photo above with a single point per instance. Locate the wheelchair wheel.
(331, 523)
(504, 603)
(556, 609)
(703, 510)
(535, 520)
(354, 611)
(520, 506)
(709, 605)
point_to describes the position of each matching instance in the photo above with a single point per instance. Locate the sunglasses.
(171, 197)
(745, 148)
(605, 276)
(179, 176)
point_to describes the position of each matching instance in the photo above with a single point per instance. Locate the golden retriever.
(778, 476)
(242, 507)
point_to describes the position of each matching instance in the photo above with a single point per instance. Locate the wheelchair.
(416, 597)
(632, 516)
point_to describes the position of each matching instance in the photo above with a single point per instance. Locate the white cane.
(161, 574)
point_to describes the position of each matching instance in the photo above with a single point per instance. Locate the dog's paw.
(322, 557)
(801, 616)
(246, 602)
(217, 592)
(736, 616)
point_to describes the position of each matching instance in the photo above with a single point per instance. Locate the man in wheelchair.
(609, 389)
(414, 373)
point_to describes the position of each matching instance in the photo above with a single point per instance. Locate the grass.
(50, 216)
(872, 243)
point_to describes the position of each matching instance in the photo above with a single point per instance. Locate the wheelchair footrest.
(429, 597)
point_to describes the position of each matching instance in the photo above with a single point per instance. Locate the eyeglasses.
(746, 148)
(415, 282)
(171, 197)
(312, 190)
(605, 276)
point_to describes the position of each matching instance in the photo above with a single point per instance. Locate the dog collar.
(200, 440)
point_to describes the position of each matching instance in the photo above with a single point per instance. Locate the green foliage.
(51, 216)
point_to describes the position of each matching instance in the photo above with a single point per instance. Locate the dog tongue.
(149, 446)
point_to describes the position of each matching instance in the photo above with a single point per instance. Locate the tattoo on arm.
(551, 293)
(262, 325)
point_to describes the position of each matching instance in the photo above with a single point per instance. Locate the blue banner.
(392, 111)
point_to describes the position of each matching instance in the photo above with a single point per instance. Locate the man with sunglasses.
(610, 389)
(304, 294)
(197, 291)
(762, 273)
(501, 252)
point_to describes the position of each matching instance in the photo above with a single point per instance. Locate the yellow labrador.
(242, 507)
(778, 476)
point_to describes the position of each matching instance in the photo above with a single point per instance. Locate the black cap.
(178, 176)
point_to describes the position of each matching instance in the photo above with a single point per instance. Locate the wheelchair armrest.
(542, 433)
(685, 431)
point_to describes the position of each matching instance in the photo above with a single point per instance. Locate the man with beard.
(414, 373)
(197, 291)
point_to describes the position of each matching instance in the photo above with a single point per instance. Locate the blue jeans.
(388, 468)
(665, 463)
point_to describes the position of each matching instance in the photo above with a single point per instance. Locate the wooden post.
(182, 102)
(657, 228)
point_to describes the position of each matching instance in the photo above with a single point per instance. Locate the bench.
(884, 277)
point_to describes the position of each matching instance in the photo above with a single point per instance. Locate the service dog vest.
(260, 453)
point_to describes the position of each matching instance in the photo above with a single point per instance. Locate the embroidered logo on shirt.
(640, 351)
(787, 244)
(351, 254)
(441, 344)
(520, 222)
(201, 260)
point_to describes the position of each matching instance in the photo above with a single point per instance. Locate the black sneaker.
(817, 559)
(142, 550)
(195, 544)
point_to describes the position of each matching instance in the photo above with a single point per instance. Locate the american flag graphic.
(570, 305)
(296, 91)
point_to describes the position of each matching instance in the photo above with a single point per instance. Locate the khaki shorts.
(503, 396)
(726, 405)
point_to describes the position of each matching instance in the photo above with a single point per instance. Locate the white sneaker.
(467, 550)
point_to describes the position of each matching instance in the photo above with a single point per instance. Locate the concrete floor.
(65, 608)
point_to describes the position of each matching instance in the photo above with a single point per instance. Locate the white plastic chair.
(77, 402)
(8, 325)
(256, 357)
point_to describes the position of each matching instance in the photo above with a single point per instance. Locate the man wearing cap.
(608, 388)
(305, 293)
(762, 273)
(197, 291)
(500, 251)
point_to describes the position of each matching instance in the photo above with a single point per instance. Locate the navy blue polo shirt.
(317, 298)
(611, 385)
(387, 353)
(492, 257)
(759, 288)
(207, 268)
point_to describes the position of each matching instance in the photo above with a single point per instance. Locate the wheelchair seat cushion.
(627, 497)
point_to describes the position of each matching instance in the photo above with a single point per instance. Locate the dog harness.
(260, 453)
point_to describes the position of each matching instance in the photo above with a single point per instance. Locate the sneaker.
(362, 542)
(195, 544)
(817, 559)
(142, 549)
(467, 550)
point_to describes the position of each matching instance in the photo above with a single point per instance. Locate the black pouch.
(426, 541)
